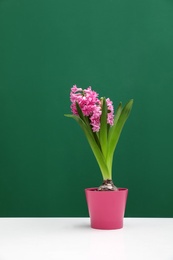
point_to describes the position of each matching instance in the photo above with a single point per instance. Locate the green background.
(123, 49)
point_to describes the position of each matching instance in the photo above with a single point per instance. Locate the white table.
(72, 238)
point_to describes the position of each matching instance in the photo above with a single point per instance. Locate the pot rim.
(120, 189)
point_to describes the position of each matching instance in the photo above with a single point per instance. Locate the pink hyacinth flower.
(110, 114)
(90, 106)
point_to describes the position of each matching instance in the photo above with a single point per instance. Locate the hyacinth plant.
(101, 127)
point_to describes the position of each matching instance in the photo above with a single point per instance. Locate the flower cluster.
(90, 105)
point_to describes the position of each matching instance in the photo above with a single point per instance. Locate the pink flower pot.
(106, 208)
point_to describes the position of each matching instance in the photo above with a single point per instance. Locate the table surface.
(72, 238)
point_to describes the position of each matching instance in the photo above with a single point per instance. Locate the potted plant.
(106, 204)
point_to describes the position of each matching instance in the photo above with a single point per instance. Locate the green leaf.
(86, 120)
(116, 117)
(95, 148)
(115, 131)
(80, 112)
(103, 128)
